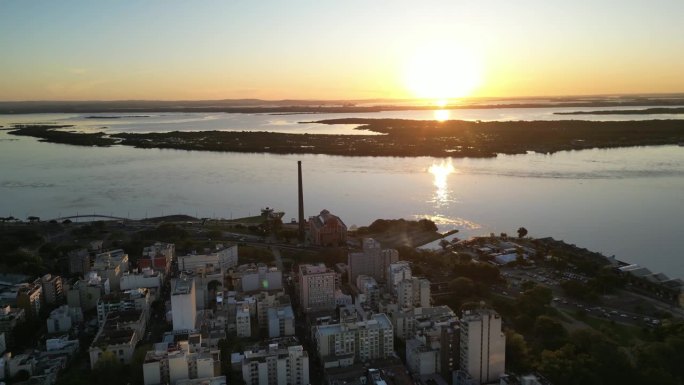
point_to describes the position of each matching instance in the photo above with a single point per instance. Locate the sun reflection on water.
(441, 115)
(440, 172)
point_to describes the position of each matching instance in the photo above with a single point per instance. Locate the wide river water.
(625, 202)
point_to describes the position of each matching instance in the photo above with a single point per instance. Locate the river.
(625, 202)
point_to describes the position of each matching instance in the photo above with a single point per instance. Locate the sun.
(440, 71)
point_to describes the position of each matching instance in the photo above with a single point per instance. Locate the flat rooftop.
(377, 322)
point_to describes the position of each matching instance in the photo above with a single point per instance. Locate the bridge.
(98, 216)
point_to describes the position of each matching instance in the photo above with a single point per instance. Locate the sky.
(170, 50)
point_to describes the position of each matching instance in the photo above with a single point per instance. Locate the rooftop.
(181, 286)
(114, 337)
(377, 322)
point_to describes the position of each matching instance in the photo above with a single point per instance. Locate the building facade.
(53, 292)
(327, 229)
(278, 364)
(352, 342)
(482, 345)
(373, 261)
(316, 288)
(183, 304)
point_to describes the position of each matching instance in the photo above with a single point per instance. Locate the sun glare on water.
(440, 172)
(441, 71)
(441, 115)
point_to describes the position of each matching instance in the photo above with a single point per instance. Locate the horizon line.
(604, 95)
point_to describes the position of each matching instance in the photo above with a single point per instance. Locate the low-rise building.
(222, 257)
(147, 278)
(327, 229)
(118, 336)
(85, 293)
(138, 299)
(158, 257)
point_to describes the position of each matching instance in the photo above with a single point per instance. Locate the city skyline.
(436, 50)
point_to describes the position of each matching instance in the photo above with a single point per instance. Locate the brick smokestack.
(301, 201)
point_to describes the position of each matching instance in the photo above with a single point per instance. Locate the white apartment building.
(175, 362)
(147, 278)
(281, 321)
(257, 277)
(278, 364)
(421, 358)
(316, 288)
(407, 323)
(345, 343)
(413, 292)
(243, 324)
(369, 291)
(183, 304)
(483, 345)
(266, 301)
(111, 265)
(397, 272)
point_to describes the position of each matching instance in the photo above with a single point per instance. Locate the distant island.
(400, 137)
(116, 116)
(257, 106)
(647, 111)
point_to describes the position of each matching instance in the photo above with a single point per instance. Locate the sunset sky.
(78, 50)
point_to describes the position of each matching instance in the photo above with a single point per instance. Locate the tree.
(522, 232)
(517, 353)
(462, 288)
(534, 301)
(550, 333)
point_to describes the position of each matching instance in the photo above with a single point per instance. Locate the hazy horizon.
(435, 50)
(454, 101)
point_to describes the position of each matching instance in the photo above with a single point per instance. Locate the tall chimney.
(301, 201)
